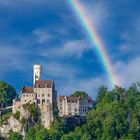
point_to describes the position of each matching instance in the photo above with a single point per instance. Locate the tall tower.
(37, 72)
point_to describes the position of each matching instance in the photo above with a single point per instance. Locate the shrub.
(17, 115)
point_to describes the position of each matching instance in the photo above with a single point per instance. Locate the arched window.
(38, 101)
(43, 101)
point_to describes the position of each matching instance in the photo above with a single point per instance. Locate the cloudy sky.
(47, 32)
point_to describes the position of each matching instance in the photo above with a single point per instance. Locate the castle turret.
(37, 72)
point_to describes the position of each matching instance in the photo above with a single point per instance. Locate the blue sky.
(47, 32)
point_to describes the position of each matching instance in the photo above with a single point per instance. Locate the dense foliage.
(15, 136)
(116, 116)
(79, 94)
(58, 128)
(7, 94)
(17, 115)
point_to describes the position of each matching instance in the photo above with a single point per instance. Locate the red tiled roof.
(61, 97)
(69, 98)
(27, 89)
(43, 84)
(72, 98)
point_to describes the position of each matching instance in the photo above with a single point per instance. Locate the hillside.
(116, 116)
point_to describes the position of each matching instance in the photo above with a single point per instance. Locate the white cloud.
(128, 72)
(98, 12)
(42, 35)
(75, 48)
(70, 48)
(61, 70)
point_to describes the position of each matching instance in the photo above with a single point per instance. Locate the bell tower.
(37, 73)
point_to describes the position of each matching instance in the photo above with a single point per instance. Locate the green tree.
(17, 115)
(7, 93)
(15, 136)
(101, 94)
(30, 134)
(80, 94)
(116, 116)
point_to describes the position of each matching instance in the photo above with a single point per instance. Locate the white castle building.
(42, 93)
(71, 105)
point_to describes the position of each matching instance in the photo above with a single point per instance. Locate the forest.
(116, 116)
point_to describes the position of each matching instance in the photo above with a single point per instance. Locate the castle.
(42, 93)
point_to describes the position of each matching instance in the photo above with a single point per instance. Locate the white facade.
(37, 73)
(70, 106)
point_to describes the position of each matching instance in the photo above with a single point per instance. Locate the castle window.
(38, 101)
(48, 95)
(48, 101)
(43, 101)
(26, 95)
(43, 95)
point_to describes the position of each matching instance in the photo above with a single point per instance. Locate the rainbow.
(95, 39)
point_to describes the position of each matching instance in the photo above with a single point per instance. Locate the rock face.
(11, 123)
(46, 114)
(17, 125)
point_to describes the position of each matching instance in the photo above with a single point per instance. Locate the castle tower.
(37, 72)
